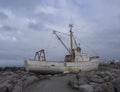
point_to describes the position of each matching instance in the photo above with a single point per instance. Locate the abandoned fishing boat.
(75, 61)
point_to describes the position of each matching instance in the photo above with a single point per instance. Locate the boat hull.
(60, 67)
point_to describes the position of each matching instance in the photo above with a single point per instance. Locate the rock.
(108, 87)
(94, 85)
(47, 76)
(115, 75)
(7, 73)
(85, 88)
(42, 77)
(93, 77)
(109, 74)
(18, 87)
(12, 79)
(80, 75)
(30, 80)
(98, 89)
(116, 84)
(81, 82)
(82, 78)
(96, 80)
(101, 74)
(107, 79)
(105, 87)
(73, 84)
(5, 87)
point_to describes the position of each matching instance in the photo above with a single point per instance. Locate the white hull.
(61, 67)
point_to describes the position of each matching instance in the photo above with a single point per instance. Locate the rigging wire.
(50, 40)
(87, 46)
(74, 38)
(80, 41)
(62, 33)
(61, 41)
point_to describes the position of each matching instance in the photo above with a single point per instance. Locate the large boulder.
(5, 87)
(18, 87)
(82, 78)
(105, 87)
(116, 84)
(29, 80)
(82, 82)
(86, 88)
(73, 83)
(95, 78)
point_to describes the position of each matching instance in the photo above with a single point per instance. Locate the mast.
(71, 41)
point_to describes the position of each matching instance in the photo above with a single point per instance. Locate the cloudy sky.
(26, 26)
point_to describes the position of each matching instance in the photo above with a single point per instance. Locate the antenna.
(71, 19)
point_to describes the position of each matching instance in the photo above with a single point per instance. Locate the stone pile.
(15, 79)
(106, 79)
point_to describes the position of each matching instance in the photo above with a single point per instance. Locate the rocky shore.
(15, 79)
(106, 79)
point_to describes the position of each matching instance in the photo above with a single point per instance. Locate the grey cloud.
(36, 27)
(7, 28)
(101, 24)
(21, 7)
(3, 16)
(27, 4)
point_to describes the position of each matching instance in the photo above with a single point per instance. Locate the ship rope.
(51, 39)
(62, 33)
(87, 46)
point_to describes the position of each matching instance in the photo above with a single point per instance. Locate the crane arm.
(61, 41)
